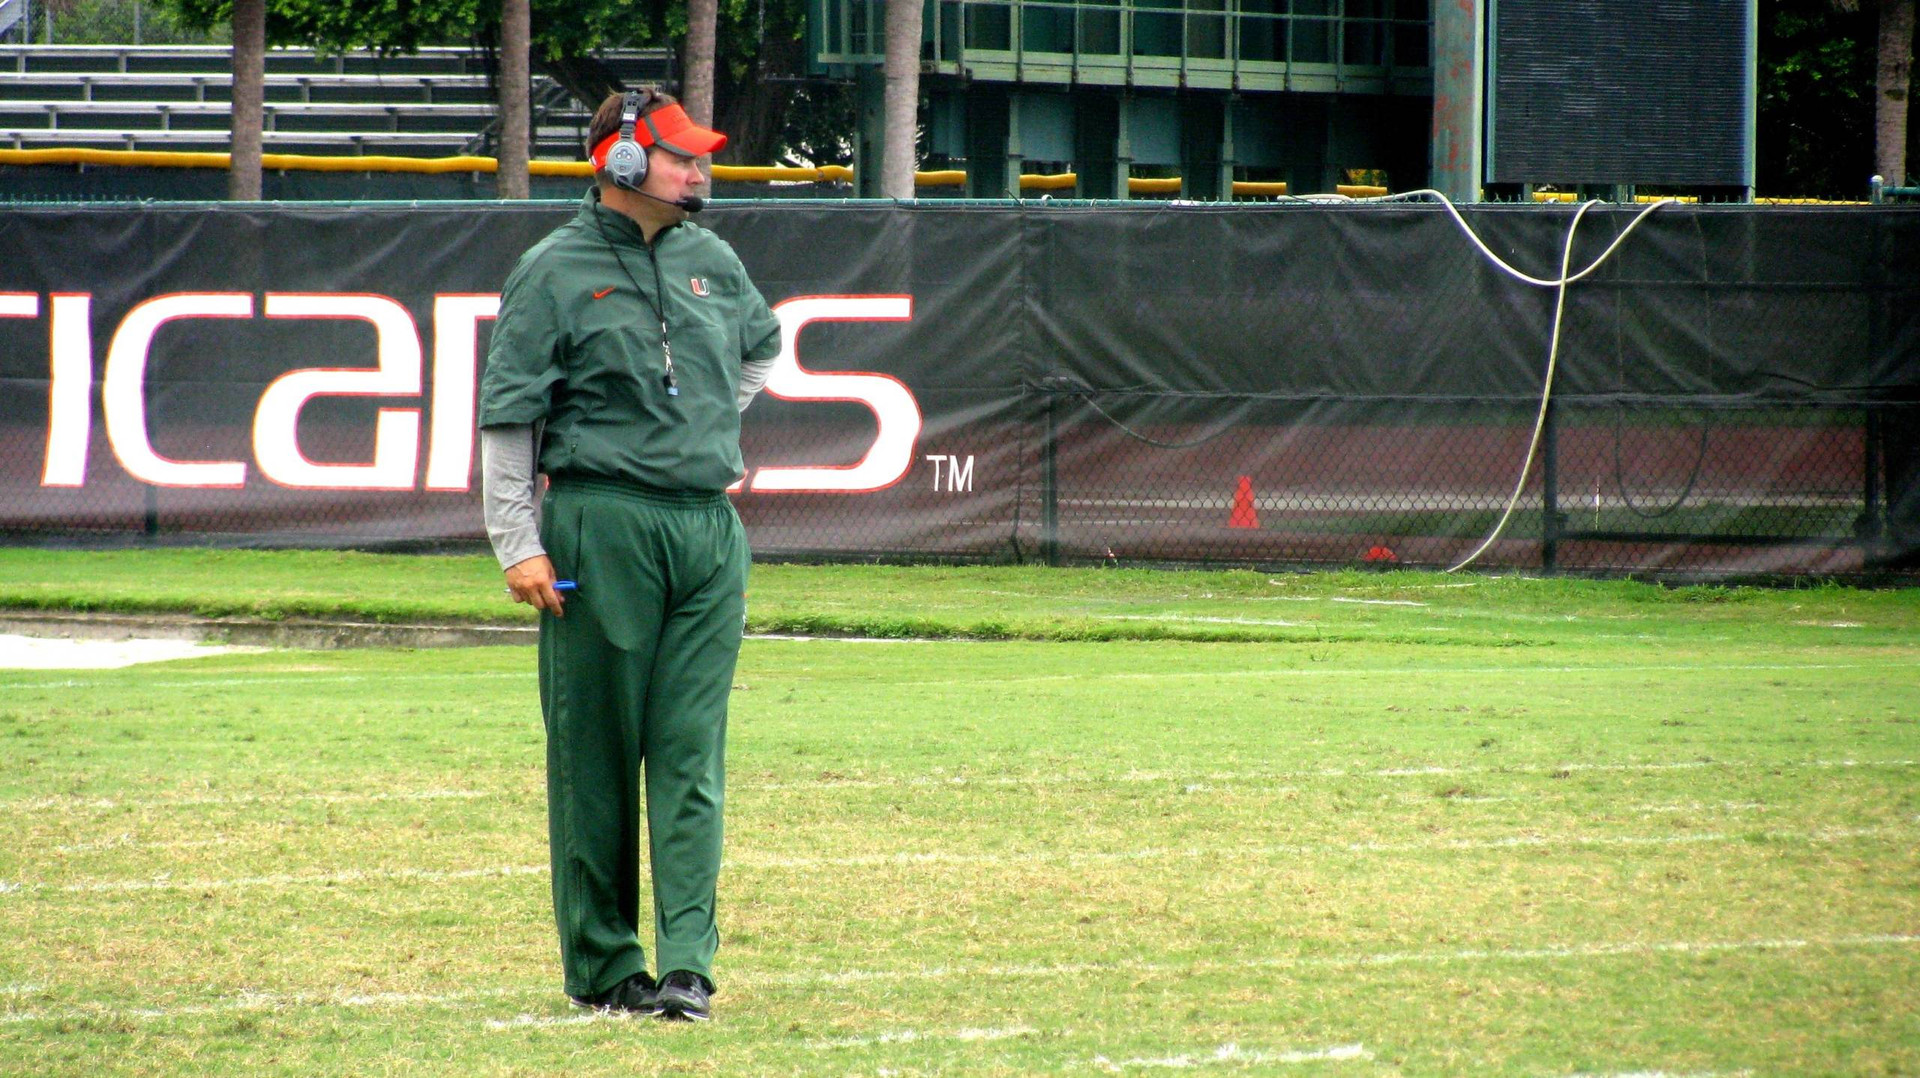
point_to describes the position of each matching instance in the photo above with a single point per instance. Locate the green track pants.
(635, 679)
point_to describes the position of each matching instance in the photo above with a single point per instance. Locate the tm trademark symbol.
(957, 472)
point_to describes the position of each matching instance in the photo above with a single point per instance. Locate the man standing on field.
(627, 344)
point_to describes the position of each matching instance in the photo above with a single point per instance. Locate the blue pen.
(565, 585)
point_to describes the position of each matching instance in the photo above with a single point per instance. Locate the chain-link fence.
(1736, 390)
(1613, 487)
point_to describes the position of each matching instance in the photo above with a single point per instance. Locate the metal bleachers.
(154, 86)
(396, 143)
(437, 102)
(201, 59)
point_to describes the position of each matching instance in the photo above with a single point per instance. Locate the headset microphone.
(691, 203)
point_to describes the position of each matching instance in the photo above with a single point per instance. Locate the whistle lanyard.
(659, 311)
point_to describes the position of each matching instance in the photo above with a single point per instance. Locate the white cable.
(1553, 348)
(1546, 390)
(1516, 274)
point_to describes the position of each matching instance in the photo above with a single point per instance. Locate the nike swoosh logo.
(602, 294)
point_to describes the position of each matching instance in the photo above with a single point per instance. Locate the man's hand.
(531, 582)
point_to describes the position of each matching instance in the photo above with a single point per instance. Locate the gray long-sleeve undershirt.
(506, 485)
(507, 463)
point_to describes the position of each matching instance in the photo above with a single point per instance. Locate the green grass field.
(1396, 824)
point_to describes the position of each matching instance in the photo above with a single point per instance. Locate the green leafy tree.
(772, 112)
(1815, 105)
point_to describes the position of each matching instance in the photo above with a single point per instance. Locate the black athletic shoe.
(685, 996)
(635, 995)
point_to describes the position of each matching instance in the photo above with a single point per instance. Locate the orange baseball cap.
(670, 129)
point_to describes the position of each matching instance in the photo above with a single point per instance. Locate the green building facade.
(1312, 93)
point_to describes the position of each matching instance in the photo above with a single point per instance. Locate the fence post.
(1871, 527)
(1049, 487)
(1550, 490)
(150, 494)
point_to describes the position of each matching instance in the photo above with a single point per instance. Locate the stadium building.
(1264, 97)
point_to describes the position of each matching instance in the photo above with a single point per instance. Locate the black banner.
(1288, 384)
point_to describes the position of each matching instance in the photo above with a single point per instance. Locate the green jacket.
(577, 345)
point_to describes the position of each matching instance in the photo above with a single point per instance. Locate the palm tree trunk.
(511, 181)
(1892, 82)
(697, 88)
(249, 82)
(902, 104)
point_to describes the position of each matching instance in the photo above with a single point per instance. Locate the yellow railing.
(1569, 196)
(280, 162)
(273, 161)
(1059, 181)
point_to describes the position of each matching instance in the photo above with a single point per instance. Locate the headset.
(627, 160)
(626, 163)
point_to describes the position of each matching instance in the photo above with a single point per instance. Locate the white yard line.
(1376, 602)
(128, 842)
(909, 1036)
(1195, 619)
(941, 857)
(82, 802)
(311, 678)
(1134, 967)
(295, 879)
(1291, 776)
(1697, 806)
(1688, 765)
(1233, 1054)
(272, 1001)
(42, 804)
(837, 977)
(1216, 853)
(536, 1021)
(1663, 1074)
(1408, 671)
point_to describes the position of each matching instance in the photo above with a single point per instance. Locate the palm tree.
(249, 88)
(902, 104)
(1893, 79)
(696, 95)
(511, 181)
